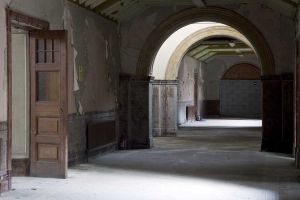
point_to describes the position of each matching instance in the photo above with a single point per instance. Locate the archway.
(183, 47)
(193, 15)
(189, 107)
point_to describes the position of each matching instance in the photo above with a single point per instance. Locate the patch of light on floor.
(230, 123)
(207, 189)
(114, 184)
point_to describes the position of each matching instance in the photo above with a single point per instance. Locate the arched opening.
(215, 30)
(194, 15)
(179, 92)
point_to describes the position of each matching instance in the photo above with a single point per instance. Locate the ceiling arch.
(184, 46)
(213, 14)
(120, 10)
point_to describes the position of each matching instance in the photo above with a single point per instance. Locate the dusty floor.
(206, 165)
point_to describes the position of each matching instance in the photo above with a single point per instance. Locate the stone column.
(164, 110)
(170, 105)
(201, 91)
(278, 113)
(196, 96)
(135, 112)
(272, 113)
(287, 113)
(157, 113)
(297, 107)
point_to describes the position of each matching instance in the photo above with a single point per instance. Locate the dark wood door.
(48, 56)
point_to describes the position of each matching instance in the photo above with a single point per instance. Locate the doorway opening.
(37, 98)
(20, 102)
(211, 82)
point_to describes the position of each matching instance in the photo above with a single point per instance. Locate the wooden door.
(48, 55)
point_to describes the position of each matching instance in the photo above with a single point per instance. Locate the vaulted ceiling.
(208, 49)
(120, 10)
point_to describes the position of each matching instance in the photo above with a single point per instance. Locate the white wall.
(186, 79)
(169, 46)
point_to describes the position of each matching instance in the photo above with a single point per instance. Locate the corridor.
(212, 164)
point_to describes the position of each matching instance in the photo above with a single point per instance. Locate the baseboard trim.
(20, 167)
(102, 150)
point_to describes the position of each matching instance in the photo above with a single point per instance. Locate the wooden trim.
(9, 96)
(20, 167)
(27, 23)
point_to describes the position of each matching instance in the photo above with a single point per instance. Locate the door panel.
(48, 104)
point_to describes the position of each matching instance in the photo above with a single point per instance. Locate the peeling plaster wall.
(278, 29)
(96, 41)
(92, 86)
(135, 32)
(186, 79)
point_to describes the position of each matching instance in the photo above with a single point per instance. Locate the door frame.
(27, 23)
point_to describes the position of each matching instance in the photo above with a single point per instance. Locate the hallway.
(214, 164)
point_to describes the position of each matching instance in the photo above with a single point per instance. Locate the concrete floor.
(197, 165)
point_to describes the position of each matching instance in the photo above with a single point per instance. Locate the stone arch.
(183, 47)
(214, 14)
(242, 71)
